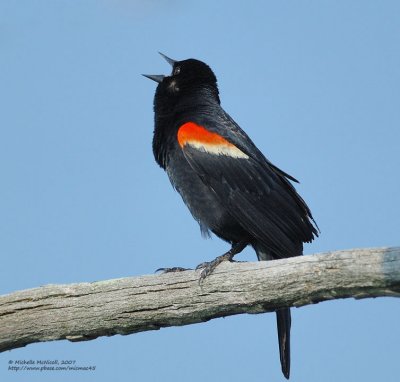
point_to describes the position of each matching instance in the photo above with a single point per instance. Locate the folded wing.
(257, 194)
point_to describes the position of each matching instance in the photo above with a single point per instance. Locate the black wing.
(256, 193)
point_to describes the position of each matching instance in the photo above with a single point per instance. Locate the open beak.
(159, 77)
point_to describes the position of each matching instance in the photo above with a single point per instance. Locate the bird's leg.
(209, 267)
(173, 269)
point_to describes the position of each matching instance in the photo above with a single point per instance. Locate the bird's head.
(191, 81)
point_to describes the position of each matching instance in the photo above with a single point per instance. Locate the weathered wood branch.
(85, 311)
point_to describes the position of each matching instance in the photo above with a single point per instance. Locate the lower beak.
(155, 77)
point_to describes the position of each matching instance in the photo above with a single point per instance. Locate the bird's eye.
(177, 70)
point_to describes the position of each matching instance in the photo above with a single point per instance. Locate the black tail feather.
(283, 321)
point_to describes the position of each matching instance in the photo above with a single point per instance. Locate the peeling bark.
(84, 311)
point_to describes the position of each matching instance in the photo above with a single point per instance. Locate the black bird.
(229, 186)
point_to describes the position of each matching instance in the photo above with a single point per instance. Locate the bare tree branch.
(84, 311)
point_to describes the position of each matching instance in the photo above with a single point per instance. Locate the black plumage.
(229, 186)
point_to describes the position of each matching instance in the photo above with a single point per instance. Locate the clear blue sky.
(316, 84)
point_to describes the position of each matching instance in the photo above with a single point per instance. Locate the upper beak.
(169, 60)
(159, 77)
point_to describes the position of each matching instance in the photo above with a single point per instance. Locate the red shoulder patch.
(199, 137)
(191, 131)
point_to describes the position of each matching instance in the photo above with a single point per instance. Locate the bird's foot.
(208, 267)
(173, 269)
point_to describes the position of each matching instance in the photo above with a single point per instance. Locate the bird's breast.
(198, 197)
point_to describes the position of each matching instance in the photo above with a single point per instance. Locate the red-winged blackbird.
(229, 186)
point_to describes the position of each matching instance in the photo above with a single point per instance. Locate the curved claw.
(173, 269)
(209, 267)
